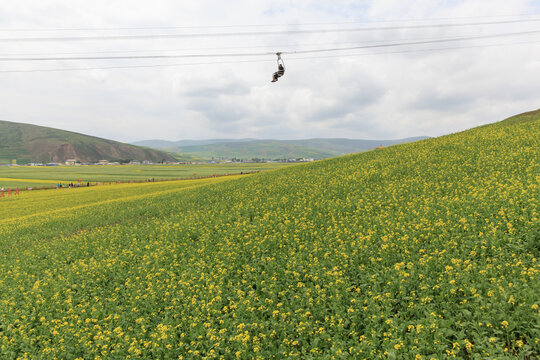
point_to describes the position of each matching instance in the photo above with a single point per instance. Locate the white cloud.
(374, 95)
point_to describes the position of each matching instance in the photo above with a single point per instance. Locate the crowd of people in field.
(71, 185)
(8, 191)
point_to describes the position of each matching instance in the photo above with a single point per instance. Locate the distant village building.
(134, 162)
(71, 162)
(103, 162)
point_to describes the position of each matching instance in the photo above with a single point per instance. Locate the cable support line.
(263, 25)
(203, 49)
(134, 66)
(138, 57)
(423, 42)
(255, 33)
(262, 60)
(414, 50)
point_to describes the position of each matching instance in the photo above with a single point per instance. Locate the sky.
(398, 91)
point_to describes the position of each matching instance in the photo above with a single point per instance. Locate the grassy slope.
(523, 118)
(427, 249)
(31, 143)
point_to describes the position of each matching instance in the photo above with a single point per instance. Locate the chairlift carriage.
(281, 68)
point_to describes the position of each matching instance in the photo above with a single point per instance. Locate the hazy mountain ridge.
(263, 149)
(317, 148)
(162, 144)
(32, 143)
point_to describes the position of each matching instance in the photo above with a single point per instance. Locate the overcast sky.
(376, 93)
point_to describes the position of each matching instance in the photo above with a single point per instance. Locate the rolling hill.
(425, 250)
(269, 149)
(31, 143)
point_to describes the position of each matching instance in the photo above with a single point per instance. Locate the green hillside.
(31, 143)
(426, 250)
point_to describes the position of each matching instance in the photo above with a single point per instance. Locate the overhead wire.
(416, 50)
(259, 25)
(206, 48)
(255, 33)
(358, 47)
(264, 60)
(423, 42)
(249, 54)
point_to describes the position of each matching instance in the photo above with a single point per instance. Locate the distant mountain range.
(31, 143)
(268, 149)
(27, 143)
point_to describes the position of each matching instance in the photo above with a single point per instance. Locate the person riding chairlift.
(281, 68)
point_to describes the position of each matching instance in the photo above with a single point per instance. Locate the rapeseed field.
(427, 250)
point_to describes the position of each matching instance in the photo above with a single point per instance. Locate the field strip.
(31, 180)
(110, 201)
(48, 201)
